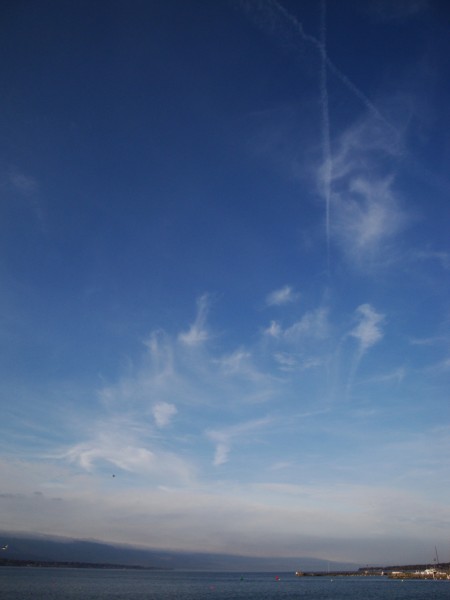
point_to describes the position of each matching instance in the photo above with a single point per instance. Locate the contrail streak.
(339, 74)
(326, 145)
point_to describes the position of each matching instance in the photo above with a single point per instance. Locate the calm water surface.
(18, 583)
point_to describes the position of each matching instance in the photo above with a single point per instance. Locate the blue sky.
(225, 275)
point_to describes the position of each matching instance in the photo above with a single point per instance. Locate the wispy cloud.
(241, 364)
(362, 209)
(109, 450)
(442, 258)
(197, 333)
(161, 355)
(313, 324)
(430, 341)
(290, 362)
(367, 216)
(163, 413)
(284, 295)
(124, 450)
(132, 430)
(274, 330)
(287, 361)
(395, 376)
(225, 437)
(368, 330)
(442, 366)
(367, 211)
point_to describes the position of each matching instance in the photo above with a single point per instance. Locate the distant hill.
(51, 549)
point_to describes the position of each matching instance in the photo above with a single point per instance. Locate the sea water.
(26, 583)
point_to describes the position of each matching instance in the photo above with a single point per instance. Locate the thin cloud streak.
(225, 436)
(129, 446)
(313, 324)
(442, 258)
(197, 333)
(367, 332)
(339, 74)
(326, 143)
(284, 295)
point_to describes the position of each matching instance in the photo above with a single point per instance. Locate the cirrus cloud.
(284, 295)
(163, 413)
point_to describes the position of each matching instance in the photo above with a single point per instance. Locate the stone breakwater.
(440, 571)
(426, 574)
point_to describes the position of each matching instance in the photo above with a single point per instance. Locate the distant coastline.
(403, 571)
